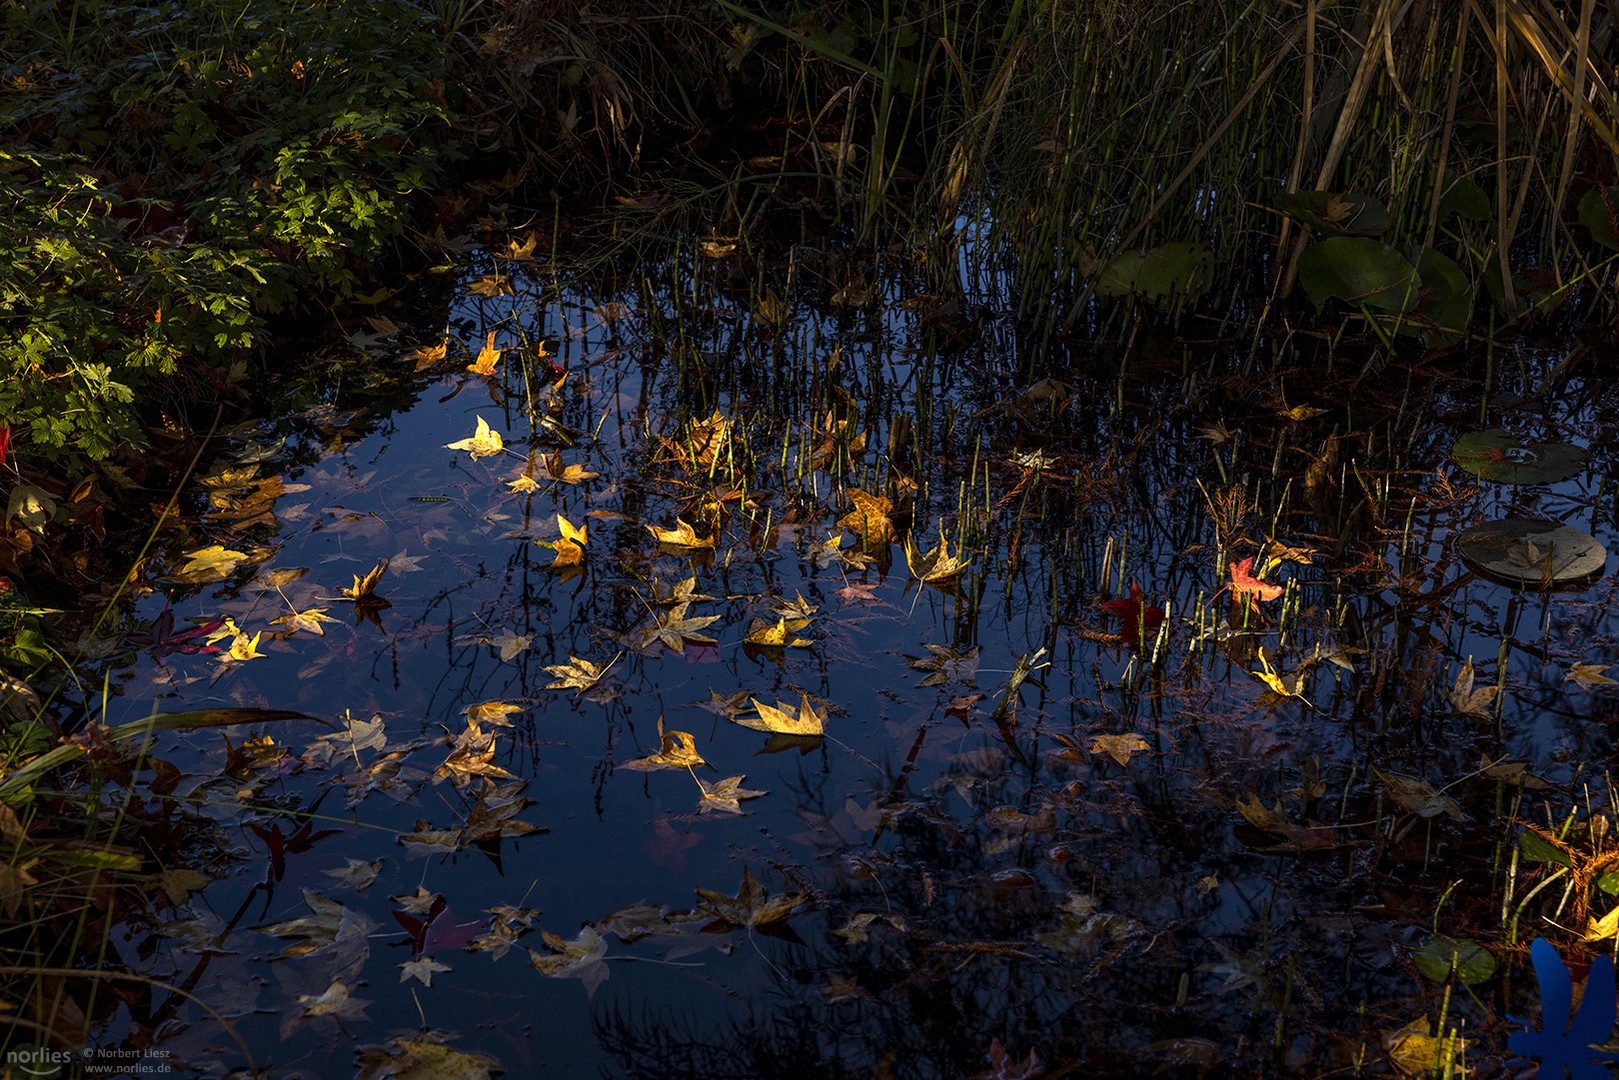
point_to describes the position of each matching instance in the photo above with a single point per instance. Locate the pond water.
(1136, 859)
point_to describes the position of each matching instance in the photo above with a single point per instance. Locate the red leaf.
(1134, 615)
(1244, 586)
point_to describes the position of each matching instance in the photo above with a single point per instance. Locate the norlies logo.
(37, 1061)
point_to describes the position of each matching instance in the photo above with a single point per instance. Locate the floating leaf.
(421, 970)
(947, 665)
(578, 674)
(762, 632)
(937, 566)
(1468, 701)
(364, 589)
(1419, 796)
(1472, 962)
(781, 719)
(1179, 269)
(1246, 586)
(579, 959)
(1588, 676)
(751, 906)
(681, 536)
(1287, 686)
(725, 796)
(488, 357)
(1541, 554)
(1362, 271)
(677, 750)
(483, 443)
(1503, 457)
(1119, 747)
(210, 563)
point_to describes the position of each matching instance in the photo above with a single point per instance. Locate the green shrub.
(182, 170)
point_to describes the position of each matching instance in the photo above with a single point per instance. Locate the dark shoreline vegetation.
(1237, 351)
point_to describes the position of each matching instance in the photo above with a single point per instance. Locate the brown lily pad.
(1541, 554)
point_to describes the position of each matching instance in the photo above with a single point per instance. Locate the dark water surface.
(974, 888)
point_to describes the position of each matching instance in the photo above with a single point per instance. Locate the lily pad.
(1599, 212)
(1334, 214)
(1543, 554)
(1169, 270)
(1472, 962)
(1362, 271)
(1503, 457)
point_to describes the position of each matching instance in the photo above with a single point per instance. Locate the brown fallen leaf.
(871, 519)
(751, 906)
(1119, 747)
(725, 796)
(1468, 701)
(578, 674)
(579, 959)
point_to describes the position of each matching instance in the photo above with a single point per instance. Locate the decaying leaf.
(484, 442)
(1468, 701)
(677, 750)
(1588, 676)
(472, 755)
(1414, 1051)
(579, 959)
(947, 665)
(308, 621)
(782, 720)
(1119, 747)
(673, 629)
(728, 705)
(725, 796)
(327, 920)
(871, 519)
(577, 674)
(1419, 796)
(426, 1058)
(751, 906)
(421, 970)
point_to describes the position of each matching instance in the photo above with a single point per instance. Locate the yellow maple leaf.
(483, 443)
(780, 719)
(245, 648)
(677, 750)
(364, 589)
(428, 355)
(937, 565)
(523, 484)
(1287, 686)
(211, 561)
(681, 536)
(762, 633)
(488, 357)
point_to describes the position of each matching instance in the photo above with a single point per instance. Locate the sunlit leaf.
(488, 357)
(781, 718)
(937, 566)
(577, 674)
(677, 750)
(364, 588)
(210, 562)
(484, 442)
(762, 632)
(681, 536)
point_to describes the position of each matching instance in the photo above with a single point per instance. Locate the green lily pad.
(1181, 269)
(1336, 215)
(1467, 200)
(1362, 271)
(1445, 303)
(1473, 962)
(1503, 457)
(1599, 212)
(1542, 554)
